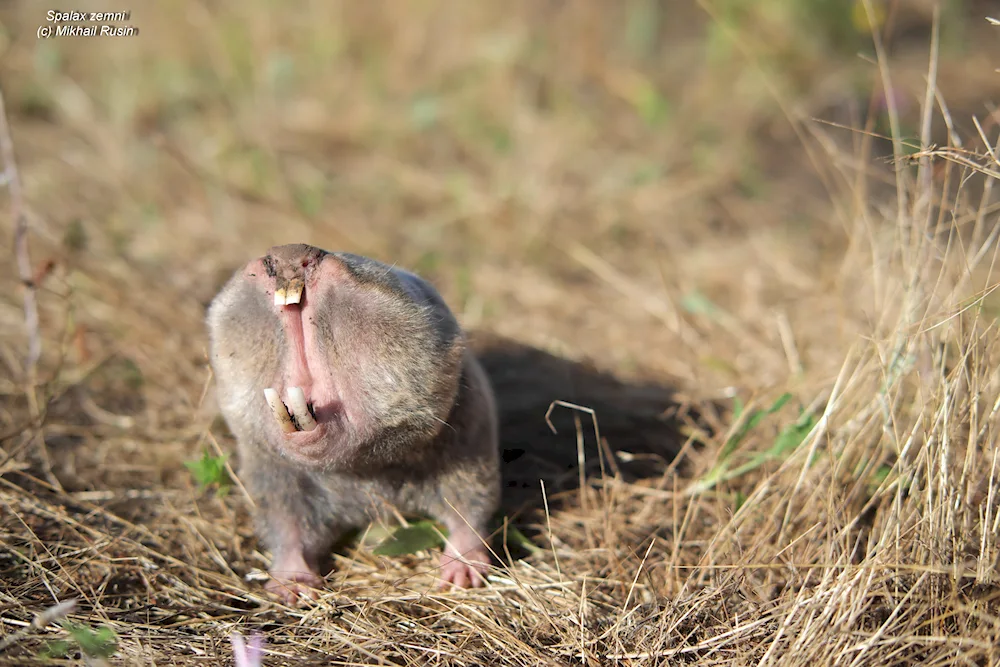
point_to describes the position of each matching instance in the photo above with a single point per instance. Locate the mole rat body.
(349, 389)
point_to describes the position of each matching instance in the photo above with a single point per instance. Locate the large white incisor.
(279, 410)
(300, 411)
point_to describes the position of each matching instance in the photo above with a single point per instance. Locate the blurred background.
(681, 207)
(638, 184)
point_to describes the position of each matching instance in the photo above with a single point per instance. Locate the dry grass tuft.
(788, 341)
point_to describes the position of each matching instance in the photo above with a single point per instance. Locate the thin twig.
(13, 180)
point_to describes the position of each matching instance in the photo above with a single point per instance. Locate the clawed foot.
(295, 588)
(293, 578)
(465, 571)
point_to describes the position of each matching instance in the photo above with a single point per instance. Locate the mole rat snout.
(289, 265)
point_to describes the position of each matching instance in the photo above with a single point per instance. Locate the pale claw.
(300, 411)
(279, 411)
(466, 572)
(295, 589)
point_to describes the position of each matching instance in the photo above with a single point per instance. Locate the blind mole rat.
(349, 388)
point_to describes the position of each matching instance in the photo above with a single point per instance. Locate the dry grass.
(649, 228)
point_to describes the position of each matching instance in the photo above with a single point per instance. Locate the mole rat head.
(358, 360)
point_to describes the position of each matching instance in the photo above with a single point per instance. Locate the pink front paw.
(466, 571)
(292, 588)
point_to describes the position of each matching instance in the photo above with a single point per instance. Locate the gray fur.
(419, 433)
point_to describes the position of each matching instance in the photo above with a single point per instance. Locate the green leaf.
(792, 436)
(755, 419)
(878, 478)
(209, 470)
(55, 649)
(882, 473)
(787, 441)
(732, 443)
(99, 643)
(418, 536)
(752, 422)
(517, 538)
(779, 403)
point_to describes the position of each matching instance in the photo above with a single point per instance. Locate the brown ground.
(638, 222)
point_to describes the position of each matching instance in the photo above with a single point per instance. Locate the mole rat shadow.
(639, 421)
